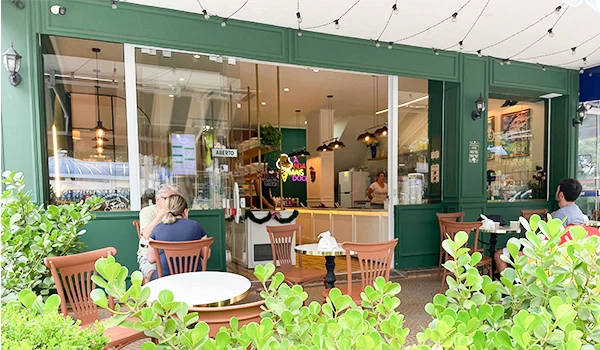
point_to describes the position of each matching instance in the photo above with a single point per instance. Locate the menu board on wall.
(183, 154)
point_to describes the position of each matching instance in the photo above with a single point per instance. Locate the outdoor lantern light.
(12, 64)
(479, 108)
(581, 112)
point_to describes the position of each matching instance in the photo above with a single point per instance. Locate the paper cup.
(514, 225)
(497, 225)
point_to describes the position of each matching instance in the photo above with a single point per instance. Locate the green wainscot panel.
(418, 233)
(115, 229)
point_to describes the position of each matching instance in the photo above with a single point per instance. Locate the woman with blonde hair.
(175, 227)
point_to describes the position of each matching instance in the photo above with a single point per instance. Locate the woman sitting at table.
(175, 227)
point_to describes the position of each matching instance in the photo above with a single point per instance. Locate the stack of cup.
(514, 225)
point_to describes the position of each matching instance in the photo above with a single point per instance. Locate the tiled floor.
(418, 288)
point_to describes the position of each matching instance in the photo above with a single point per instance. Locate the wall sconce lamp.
(581, 114)
(12, 64)
(479, 108)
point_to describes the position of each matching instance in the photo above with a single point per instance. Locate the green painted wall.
(116, 229)
(465, 77)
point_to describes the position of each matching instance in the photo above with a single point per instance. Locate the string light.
(299, 32)
(460, 45)
(479, 53)
(557, 9)
(436, 52)
(377, 43)
(337, 24)
(573, 50)
(113, 4)
(584, 61)
(224, 23)
(206, 15)
(454, 17)
(550, 33)
(581, 70)
(298, 17)
(390, 45)
(395, 9)
(543, 68)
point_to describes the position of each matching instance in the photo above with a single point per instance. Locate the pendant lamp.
(367, 136)
(336, 144)
(382, 132)
(324, 148)
(99, 130)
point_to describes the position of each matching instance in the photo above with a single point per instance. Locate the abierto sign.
(224, 153)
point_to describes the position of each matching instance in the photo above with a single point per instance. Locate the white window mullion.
(133, 145)
(392, 151)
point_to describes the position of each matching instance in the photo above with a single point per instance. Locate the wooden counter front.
(346, 225)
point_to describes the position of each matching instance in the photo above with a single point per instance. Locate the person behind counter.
(267, 198)
(175, 227)
(378, 191)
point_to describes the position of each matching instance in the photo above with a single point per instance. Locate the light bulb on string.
(557, 9)
(377, 43)
(298, 17)
(113, 4)
(584, 61)
(224, 23)
(573, 50)
(502, 62)
(390, 45)
(299, 32)
(460, 45)
(454, 16)
(479, 53)
(581, 70)
(543, 68)
(395, 9)
(206, 15)
(436, 52)
(550, 33)
(337, 24)
(508, 61)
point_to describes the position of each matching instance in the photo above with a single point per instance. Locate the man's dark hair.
(570, 188)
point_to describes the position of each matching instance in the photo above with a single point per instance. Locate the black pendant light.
(324, 148)
(382, 132)
(99, 130)
(303, 153)
(336, 144)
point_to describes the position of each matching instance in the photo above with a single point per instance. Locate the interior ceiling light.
(406, 103)
(99, 130)
(316, 70)
(382, 132)
(286, 89)
(324, 148)
(263, 103)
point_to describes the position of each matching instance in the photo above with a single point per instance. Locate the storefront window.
(413, 141)
(85, 117)
(588, 172)
(516, 150)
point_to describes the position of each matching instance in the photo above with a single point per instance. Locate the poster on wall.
(183, 154)
(516, 134)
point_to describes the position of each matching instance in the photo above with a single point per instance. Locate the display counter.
(250, 242)
(346, 225)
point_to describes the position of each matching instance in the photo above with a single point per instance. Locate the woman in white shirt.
(378, 191)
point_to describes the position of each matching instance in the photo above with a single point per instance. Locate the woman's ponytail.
(175, 206)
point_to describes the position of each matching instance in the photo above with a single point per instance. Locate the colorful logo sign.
(297, 170)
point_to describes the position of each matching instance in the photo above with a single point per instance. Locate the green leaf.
(52, 304)
(148, 346)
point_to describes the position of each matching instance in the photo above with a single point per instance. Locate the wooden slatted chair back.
(374, 261)
(182, 256)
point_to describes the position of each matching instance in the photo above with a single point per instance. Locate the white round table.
(329, 254)
(204, 288)
(593, 223)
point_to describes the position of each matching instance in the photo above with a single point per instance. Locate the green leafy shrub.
(548, 299)
(270, 136)
(285, 324)
(30, 233)
(28, 323)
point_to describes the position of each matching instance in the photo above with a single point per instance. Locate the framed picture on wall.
(516, 134)
(491, 130)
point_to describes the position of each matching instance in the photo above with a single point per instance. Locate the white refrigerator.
(352, 187)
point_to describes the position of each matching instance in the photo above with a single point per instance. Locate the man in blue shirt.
(567, 192)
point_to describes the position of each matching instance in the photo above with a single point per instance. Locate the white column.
(392, 151)
(133, 145)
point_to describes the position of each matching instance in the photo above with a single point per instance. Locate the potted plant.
(30, 233)
(373, 146)
(270, 136)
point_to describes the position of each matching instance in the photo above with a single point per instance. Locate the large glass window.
(413, 141)
(588, 172)
(516, 150)
(85, 117)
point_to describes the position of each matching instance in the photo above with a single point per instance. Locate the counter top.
(345, 209)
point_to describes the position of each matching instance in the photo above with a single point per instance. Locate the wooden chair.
(527, 213)
(374, 260)
(460, 216)
(72, 275)
(136, 224)
(282, 245)
(217, 317)
(451, 228)
(182, 256)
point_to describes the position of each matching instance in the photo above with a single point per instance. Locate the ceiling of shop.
(367, 19)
